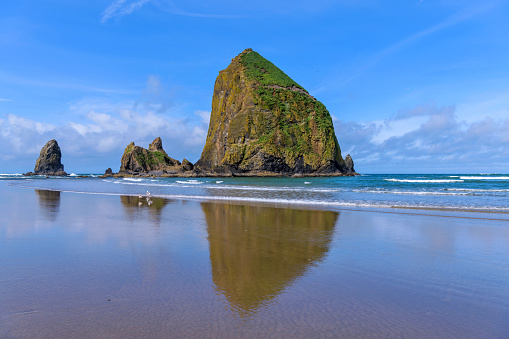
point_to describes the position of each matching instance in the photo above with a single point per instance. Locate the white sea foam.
(307, 182)
(484, 178)
(186, 184)
(412, 192)
(476, 190)
(363, 204)
(275, 189)
(273, 200)
(191, 182)
(133, 179)
(425, 180)
(219, 181)
(73, 175)
(11, 174)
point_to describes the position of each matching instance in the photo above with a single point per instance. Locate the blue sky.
(413, 86)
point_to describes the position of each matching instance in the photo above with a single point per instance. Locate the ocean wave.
(275, 189)
(191, 182)
(484, 178)
(363, 204)
(188, 184)
(486, 190)
(411, 192)
(11, 174)
(133, 179)
(425, 180)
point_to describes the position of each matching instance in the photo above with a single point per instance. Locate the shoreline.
(403, 210)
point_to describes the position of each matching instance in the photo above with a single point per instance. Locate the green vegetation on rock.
(140, 160)
(263, 71)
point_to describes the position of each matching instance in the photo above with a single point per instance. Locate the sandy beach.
(113, 266)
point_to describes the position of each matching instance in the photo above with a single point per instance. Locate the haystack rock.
(49, 161)
(264, 123)
(155, 161)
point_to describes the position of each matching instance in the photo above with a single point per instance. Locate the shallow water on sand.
(106, 266)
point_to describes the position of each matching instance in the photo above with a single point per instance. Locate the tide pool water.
(481, 192)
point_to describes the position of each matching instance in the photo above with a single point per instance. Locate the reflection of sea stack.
(256, 252)
(49, 202)
(49, 161)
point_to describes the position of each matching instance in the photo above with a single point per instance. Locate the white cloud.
(204, 115)
(103, 128)
(396, 128)
(433, 140)
(3, 99)
(121, 8)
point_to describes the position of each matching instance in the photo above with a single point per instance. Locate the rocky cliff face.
(264, 122)
(137, 159)
(49, 161)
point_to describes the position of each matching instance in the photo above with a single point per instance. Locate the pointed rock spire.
(50, 160)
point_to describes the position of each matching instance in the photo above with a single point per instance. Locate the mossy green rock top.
(263, 122)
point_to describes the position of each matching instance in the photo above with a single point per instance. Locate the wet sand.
(98, 266)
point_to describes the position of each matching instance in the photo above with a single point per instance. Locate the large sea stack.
(154, 161)
(264, 123)
(49, 161)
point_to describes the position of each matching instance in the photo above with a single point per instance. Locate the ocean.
(431, 192)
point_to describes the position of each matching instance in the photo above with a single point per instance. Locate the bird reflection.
(49, 202)
(256, 252)
(134, 205)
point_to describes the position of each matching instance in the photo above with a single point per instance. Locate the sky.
(414, 86)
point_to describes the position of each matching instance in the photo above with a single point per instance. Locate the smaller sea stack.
(152, 161)
(49, 161)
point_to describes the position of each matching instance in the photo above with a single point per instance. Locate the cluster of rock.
(262, 123)
(153, 161)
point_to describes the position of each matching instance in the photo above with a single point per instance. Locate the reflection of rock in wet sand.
(134, 206)
(255, 251)
(49, 202)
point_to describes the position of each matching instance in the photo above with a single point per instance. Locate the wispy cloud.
(3, 99)
(169, 7)
(121, 8)
(62, 84)
(449, 22)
